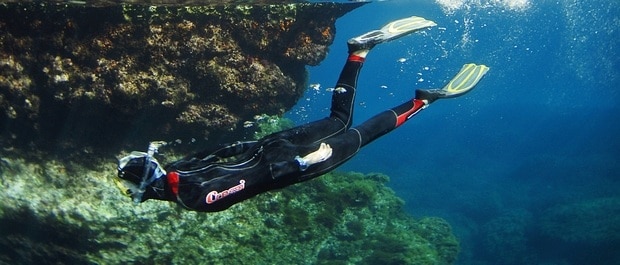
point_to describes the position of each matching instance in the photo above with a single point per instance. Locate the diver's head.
(136, 172)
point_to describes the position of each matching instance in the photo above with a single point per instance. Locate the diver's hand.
(323, 153)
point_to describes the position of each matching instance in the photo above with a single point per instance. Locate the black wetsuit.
(203, 183)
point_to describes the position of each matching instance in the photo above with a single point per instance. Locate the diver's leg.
(340, 117)
(343, 95)
(464, 81)
(346, 145)
(388, 120)
(344, 92)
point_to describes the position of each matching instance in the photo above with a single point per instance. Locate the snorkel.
(146, 177)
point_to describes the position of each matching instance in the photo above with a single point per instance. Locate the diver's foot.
(430, 95)
(365, 42)
(391, 31)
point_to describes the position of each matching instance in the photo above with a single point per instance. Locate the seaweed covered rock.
(64, 213)
(75, 76)
(591, 222)
(513, 225)
(584, 232)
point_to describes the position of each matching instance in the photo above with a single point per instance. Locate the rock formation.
(76, 76)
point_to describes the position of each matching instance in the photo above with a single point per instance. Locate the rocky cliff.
(75, 76)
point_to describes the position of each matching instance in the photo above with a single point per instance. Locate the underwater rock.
(592, 222)
(76, 76)
(505, 237)
(64, 213)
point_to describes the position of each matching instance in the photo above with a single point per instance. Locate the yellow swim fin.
(405, 25)
(391, 31)
(460, 84)
(465, 80)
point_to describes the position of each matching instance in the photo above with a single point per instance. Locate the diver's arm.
(233, 149)
(222, 151)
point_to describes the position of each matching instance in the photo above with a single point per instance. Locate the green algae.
(268, 124)
(591, 221)
(322, 221)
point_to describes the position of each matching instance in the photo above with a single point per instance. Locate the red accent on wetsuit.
(173, 182)
(355, 58)
(417, 106)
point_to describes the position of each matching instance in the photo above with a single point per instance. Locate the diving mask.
(137, 171)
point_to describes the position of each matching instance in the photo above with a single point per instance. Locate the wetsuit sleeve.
(280, 169)
(223, 151)
(209, 156)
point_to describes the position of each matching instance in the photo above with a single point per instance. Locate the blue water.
(541, 130)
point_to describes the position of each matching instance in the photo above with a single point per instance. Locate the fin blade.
(407, 24)
(402, 27)
(391, 31)
(469, 75)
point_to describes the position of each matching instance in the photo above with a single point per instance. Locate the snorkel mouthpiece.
(150, 170)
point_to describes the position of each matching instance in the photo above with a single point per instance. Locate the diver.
(214, 180)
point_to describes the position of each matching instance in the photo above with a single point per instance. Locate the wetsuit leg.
(341, 114)
(388, 120)
(343, 95)
(346, 145)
